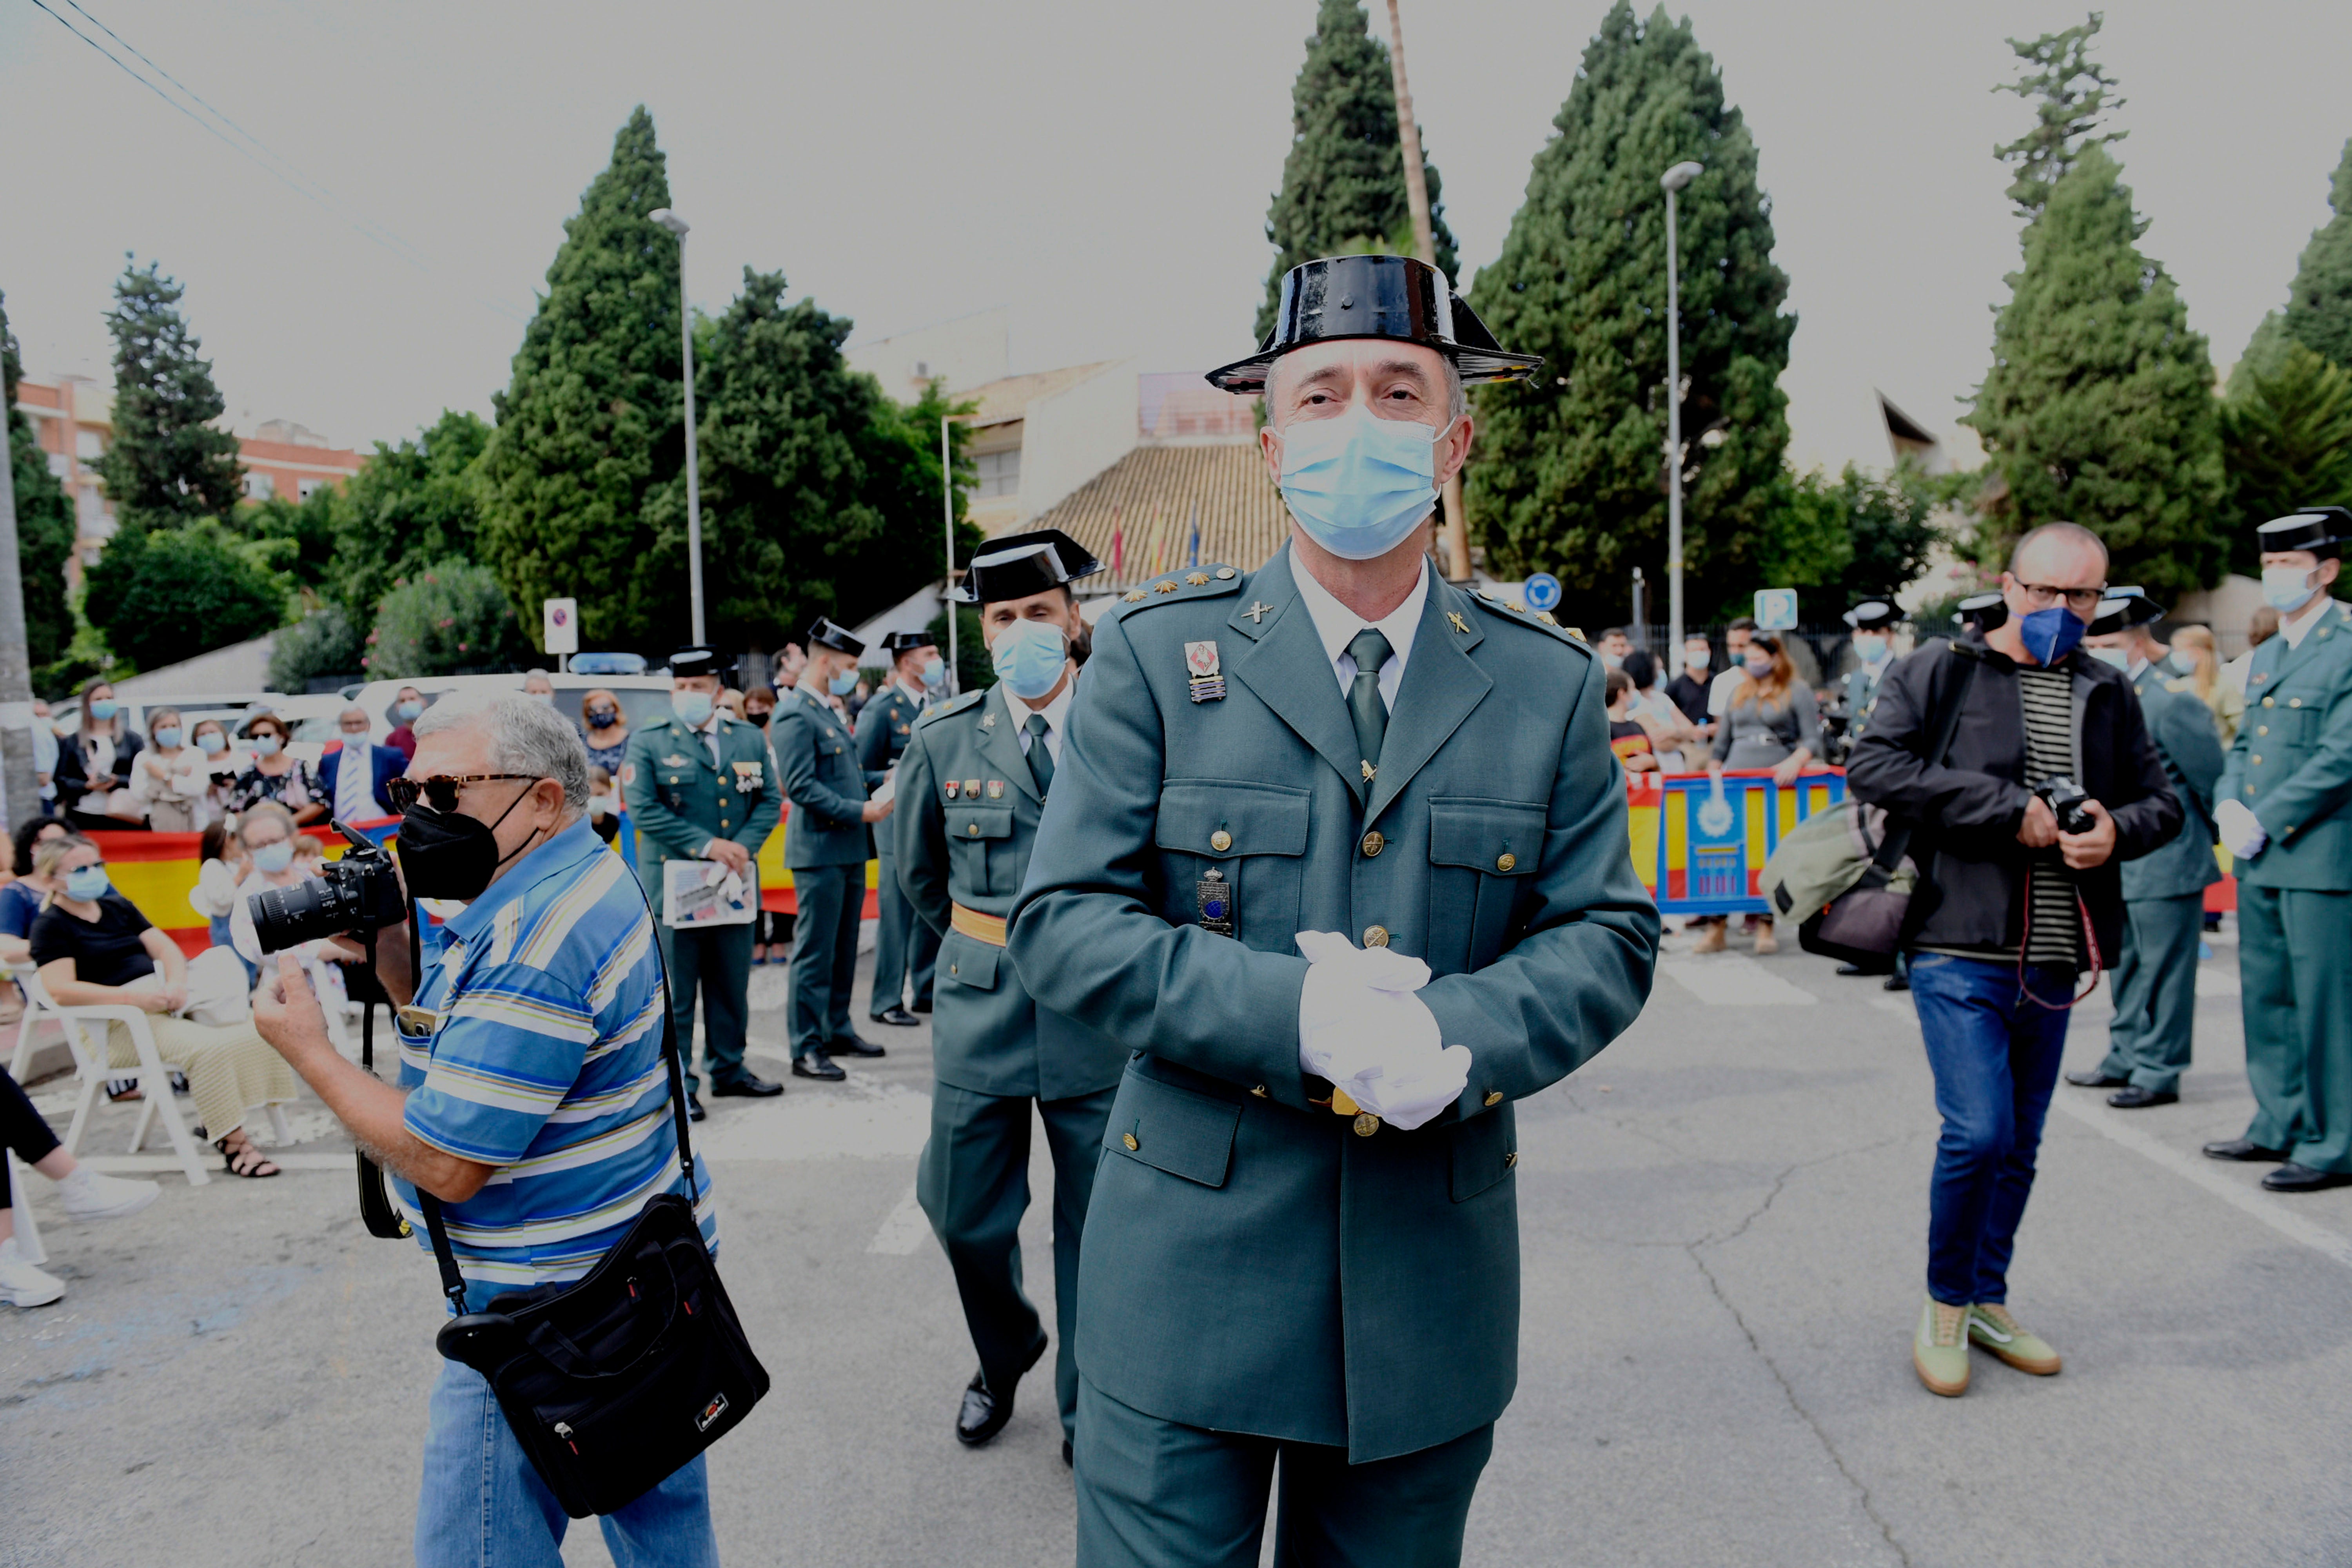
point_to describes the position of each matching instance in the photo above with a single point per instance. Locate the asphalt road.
(1723, 1220)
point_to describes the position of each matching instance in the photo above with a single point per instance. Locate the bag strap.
(1896, 841)
(453, 1283)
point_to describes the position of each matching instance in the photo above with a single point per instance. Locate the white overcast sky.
(1102, 168)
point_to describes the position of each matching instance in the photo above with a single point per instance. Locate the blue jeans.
(484, 1507)
(1995, 1055)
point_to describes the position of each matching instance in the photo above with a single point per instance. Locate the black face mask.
(451, 855)
(757, 716)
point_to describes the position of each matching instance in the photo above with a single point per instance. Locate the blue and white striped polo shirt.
(546, 1062)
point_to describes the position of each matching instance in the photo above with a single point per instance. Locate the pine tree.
(2319, 307)
(593, 422)
(44, 519)
(170, 464)
(1343, 180)
(2286, 441)
(1568, 474)
(2076, 94)
(820, 495)
(2099, 406)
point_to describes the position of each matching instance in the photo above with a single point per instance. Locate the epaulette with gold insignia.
(1512, 610)
(1195, 583)
(954, 705)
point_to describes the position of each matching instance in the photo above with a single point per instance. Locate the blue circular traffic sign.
(1543, 591)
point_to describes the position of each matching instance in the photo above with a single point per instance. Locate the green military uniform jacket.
(2291, 761)
(1861, 694)
(679, 801)
(1253, 1263)
(2189, 744)
(885, 725)
(965, 823)
(817, 756)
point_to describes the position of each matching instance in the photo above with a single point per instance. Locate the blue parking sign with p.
(1776, 609)
(1543, 592)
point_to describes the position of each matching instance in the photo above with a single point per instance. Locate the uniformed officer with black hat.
(826, 846)
(2285, 814)
(904, 947)
(973, 783)
(700, 786)
(1874, 622)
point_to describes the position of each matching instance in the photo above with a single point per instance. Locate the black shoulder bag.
(1867, 924)
(612, 1382)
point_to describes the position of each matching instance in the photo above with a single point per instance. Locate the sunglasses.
(441, 791)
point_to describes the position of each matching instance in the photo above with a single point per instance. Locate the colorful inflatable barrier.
(1701, 849)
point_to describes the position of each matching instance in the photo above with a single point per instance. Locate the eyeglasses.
(2043, 595)
(440, 792)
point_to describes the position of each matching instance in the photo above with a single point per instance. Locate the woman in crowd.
(279, 858)
(275, 775)
(1771, 720)
(2199, 662)
(96, 950)
(733, 700)
(211, 764)
(607, 728)
(1672, 737)
(406, 704)
(223, 865)
(21, 900)
(94, 761)
(84, 1194)
(164, 779)
(758, 704)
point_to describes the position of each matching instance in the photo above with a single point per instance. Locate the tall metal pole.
(1424, 242)
(947, 524)
(693, 475)
(16, 662)
(1673, 435)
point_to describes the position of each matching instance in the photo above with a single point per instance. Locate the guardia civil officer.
(905, 947)
(2285, 814)
(826, 846)
(1338, 851)
(700, 785)
(2155, 976)
(974, 780)
(1874, 622)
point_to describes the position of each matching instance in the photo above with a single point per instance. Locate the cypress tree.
(2099, 406)
(2287, 436)
(170, 464)
(44, 519)
(593, 422)
(2075, 96)
(2319, 306)
(1568, 474)
(1343, 180)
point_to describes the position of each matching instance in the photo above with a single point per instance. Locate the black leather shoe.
(2134, 1097)
(1068, 1461)
(2091, 1077)
(2244, 1148)
(922, 1003)
(896, 1017)
(851, 1045)
(2293, 1178)
(1895, 981)
(693, 1112)
(983, 1412)
(817, 1064)
(748, 1085)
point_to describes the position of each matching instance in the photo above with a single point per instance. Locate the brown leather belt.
(989, 929)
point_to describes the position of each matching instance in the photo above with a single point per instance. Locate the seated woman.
(279, 858)
(96, 950)
(21, 898)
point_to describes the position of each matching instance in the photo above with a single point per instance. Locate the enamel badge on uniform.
(955, 788)
(1217, 902)
(971, 789)
(1207, 671)
(996, 789)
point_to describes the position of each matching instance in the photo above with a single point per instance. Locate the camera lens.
(358, 893)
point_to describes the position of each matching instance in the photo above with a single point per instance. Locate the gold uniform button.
(1510, 1159)
(2295, 702)
(2270, 701)
(1366, 1124)
(1506, 860)
(955, 969)
(975, 830)
(1495, 1096)
(1376, 936)
(2258, 759)
(1374, 843)
(1129, 1139)
(1221, 841)
(2262, 729)
(1259, 1091)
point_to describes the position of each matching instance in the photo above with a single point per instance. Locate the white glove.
(1360, 1026)
(2241, 831)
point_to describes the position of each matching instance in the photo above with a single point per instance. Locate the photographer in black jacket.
(2051, 782)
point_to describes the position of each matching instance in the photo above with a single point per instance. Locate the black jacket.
(72, 776)
(1967, 809)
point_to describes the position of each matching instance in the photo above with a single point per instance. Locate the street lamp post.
(678, 226)
(1673, 179)
(947, 526)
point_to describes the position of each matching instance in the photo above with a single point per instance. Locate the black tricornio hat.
(823, 633)
(694, 659)
(1982, 611)
(2322, 530)
(2125, 608)
(1873, 616)
(897, 643)
(1396, 296)
(1020, 564)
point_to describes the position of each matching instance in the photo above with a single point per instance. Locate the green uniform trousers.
(1158, 1494)
(906, 946)
(716, 963)
(2154, 982)
(2294, 969)
(973, 1183)
(824, 954)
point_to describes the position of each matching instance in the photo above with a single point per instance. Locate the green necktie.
(1370, 650)
(1041, 761)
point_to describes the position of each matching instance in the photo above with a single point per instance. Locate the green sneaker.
(1990, 1325)
(1939, 1349)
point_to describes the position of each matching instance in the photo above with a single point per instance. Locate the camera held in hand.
(2067, 802)
(357, 894)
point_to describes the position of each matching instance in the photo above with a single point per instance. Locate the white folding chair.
(28, 1234)
(86, 1037)
(35, 1015)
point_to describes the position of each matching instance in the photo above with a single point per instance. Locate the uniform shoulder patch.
(1518, 614)
(962, 704)
(1206, 582)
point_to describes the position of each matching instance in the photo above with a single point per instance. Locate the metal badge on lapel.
(1207, 671)
(673, 762)
(1216, 901)
(971, 789)
(996, 789)
(955, 788)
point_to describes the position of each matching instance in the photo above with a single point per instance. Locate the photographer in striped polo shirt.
(533, 1103)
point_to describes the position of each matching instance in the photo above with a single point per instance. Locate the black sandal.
(252, 1171)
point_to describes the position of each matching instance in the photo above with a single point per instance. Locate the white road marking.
(1735, 980)
(905, 1230)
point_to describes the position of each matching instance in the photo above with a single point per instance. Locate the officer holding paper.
(1338, 850)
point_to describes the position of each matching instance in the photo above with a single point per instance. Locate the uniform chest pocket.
(1254, 838)
(982, 850)
(1481, 853)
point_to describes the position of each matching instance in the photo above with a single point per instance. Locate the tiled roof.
(1149, 497)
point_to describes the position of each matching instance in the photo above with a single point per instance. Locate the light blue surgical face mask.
(274, 857)
(409, 711)
(692, 707)
(168, 737)
(213, 742)
(265, 745)
(844, 683)
(1871, 650)
(935, 673)
(2050, 635)
(103, 708)
(1360, 484)
(86, 883)
(1030, 656)
(2116, 657)
(2285, 589)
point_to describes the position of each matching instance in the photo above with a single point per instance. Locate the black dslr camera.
(355, 895)
(2065, 799)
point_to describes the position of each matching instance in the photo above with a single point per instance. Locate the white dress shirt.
(1057, 712)
(355, 780)
(2294, 628)
(1336, 624)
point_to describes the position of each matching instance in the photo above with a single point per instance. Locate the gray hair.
(527, 736)
(1458, 403)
